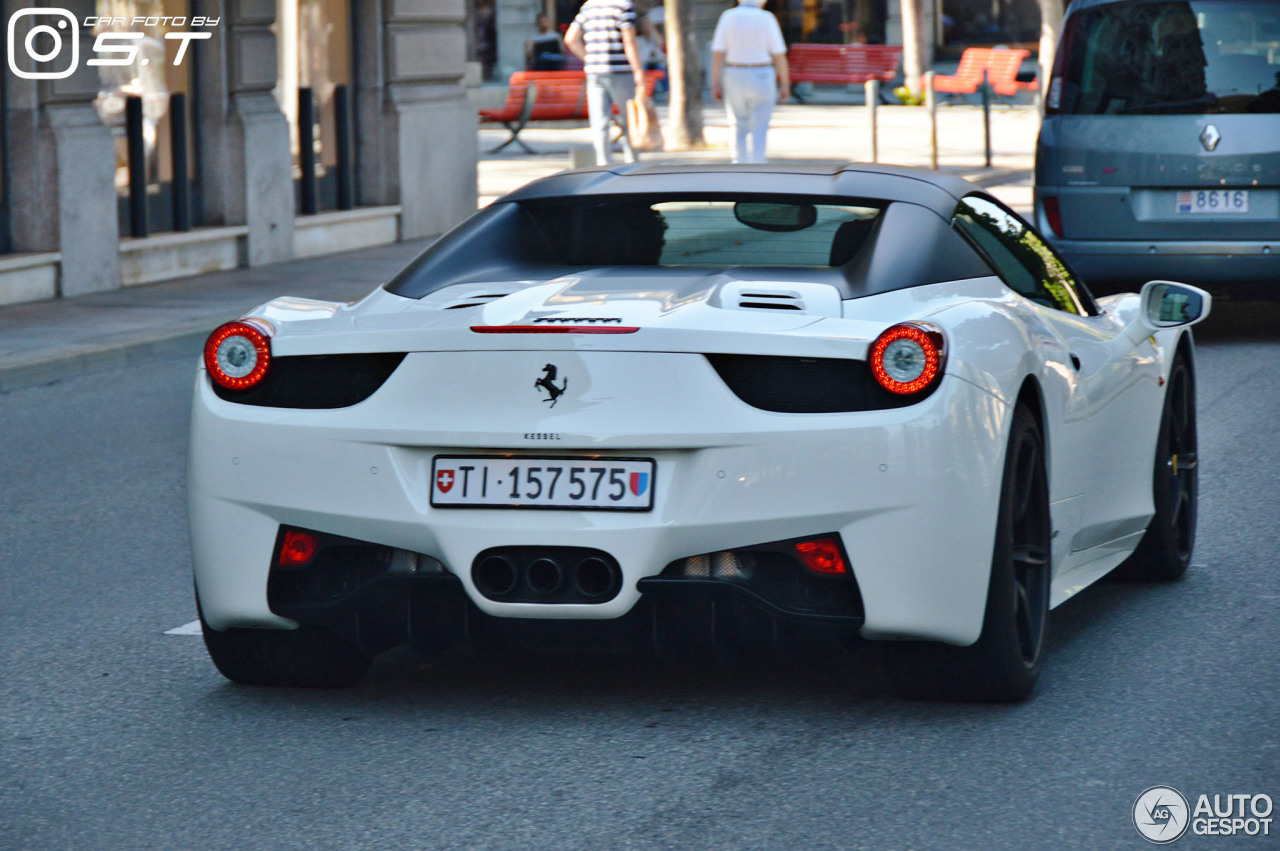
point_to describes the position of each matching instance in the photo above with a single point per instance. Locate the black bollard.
(986, 118)
(138, 224)
(307, 149)
(181, 186)
(346, 166)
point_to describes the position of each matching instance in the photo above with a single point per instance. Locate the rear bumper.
(912, 492)
(377, 599)
(1192, 262)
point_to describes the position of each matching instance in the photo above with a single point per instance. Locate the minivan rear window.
(1170, 58)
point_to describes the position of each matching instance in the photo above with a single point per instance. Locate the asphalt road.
(116, 735)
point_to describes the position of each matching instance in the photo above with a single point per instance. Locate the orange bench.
(1000, 65)
(842, 64)
(547, 96)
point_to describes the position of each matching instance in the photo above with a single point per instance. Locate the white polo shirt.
(748, 35)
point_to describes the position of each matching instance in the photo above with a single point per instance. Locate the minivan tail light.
(1053, 214)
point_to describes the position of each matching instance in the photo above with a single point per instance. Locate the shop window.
(831, 21)
(154, 79)
(1015, 23)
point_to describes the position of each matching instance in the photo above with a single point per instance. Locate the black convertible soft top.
(936, 191)
(910, 244)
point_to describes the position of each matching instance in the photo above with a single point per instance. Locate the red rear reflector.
(298, 549)
(822, 556)
(554, 329)
(1053, 213)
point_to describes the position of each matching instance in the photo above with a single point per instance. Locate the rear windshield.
(860, 246)
(1163, 58)
(633, 231)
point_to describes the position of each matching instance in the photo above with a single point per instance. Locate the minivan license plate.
(1213, 201)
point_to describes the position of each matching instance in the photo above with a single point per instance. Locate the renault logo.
(1210, 137)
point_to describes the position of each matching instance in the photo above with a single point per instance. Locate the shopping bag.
(642, 125)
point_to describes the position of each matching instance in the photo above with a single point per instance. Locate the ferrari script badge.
(548, 383)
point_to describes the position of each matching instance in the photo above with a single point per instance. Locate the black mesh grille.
(318, 381)
(805, 385)
(783, 581)
(335, 573)
(773, 575)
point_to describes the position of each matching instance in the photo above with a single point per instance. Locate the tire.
(306, 657)
(1164, 553)
(1004, 664)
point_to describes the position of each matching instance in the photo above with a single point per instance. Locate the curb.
(1000, 176)
(48, 366)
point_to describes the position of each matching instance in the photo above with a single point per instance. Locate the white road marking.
(192, 628)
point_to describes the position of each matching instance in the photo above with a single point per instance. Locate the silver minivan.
(1159, 155)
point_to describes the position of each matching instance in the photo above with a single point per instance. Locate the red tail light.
(1053, 214)
(297, 549)
(238, 354)
(907, 358)
(822, 556)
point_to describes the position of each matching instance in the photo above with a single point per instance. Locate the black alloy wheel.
(1165, 551)
(1004, 664)
(306, 657)
(1029, 545)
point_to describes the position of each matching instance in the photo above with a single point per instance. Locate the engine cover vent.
(475, 300)
(814, 299)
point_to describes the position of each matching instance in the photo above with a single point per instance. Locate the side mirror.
(1167, 304)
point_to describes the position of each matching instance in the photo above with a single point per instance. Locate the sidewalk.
(47, 341)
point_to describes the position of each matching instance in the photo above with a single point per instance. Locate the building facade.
(147, 139)
(498, 29)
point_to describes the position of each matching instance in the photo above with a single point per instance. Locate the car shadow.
(518, 683)
(1241, 321)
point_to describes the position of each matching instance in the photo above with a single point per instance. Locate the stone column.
(62, 194)
(417, 130)
(246, 163)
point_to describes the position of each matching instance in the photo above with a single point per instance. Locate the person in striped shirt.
(604, 36)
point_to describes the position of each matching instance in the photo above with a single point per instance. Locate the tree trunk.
(684, 71)
(1050, 32)
(916, 58)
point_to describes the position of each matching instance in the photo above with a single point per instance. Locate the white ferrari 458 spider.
(678, 408)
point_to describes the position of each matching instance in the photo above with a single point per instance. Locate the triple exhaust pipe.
(542, 575)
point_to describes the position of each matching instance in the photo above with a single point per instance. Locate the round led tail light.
(238, 354)
(907, 358)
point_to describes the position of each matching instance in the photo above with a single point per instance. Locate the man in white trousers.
(749, 72)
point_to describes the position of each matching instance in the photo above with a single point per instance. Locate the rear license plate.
(1212, 201)
(594, 484)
